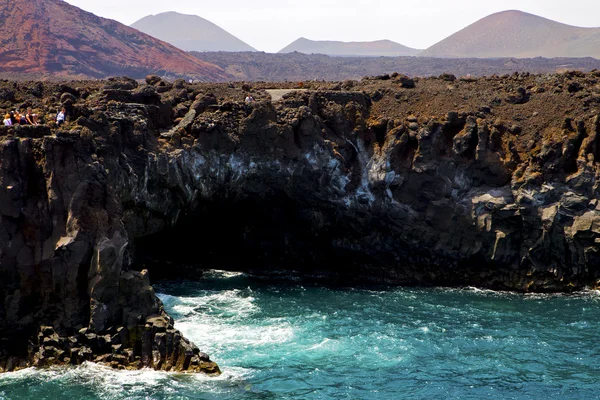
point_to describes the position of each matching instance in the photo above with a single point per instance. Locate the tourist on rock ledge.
(20, 119)
(60, 117)
(32, 119)
(7, 121)
(249, 99)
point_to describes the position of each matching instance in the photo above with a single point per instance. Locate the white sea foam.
(479, 290)
(580, 324)
(108, 383)
(215, 336)
(317, 346)
(587, 293)
(219, 274)
(227, 304)
(212, 321)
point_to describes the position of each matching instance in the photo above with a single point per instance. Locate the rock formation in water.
(441, 181)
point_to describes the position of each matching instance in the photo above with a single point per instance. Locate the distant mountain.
(190, 32)
(518, 34)
(385, 48)
(51, 37)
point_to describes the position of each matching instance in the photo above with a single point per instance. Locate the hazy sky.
(270, 25)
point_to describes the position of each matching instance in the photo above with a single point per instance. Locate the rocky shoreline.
(489, 182)
(156, 345)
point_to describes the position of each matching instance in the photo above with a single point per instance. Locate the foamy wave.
(228, 304)
(318, 346)
(108, 383)
(213, 321)
(213, 336)
(480, 290)
(587, 293)
(219, 274)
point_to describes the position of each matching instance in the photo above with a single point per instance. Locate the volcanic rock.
(426, 190)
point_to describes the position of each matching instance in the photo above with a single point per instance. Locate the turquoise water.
(295, 340)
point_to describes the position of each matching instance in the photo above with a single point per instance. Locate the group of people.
(29, 118)
(15, 117)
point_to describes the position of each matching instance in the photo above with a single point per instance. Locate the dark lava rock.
(153, 79)
(574, 87)
(405, 81)
(67, 99)
(377, 96)
(7, 95)
(447, 77)
(121, 83)
(520, 97)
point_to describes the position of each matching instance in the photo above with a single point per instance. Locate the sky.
(270, 25)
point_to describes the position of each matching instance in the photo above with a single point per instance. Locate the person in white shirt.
(60, 117)
(7, 121)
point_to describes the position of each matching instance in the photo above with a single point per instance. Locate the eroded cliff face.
(490, 183)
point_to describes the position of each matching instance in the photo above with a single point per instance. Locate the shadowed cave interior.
(264, 236)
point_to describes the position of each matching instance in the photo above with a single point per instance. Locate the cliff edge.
(440, 181)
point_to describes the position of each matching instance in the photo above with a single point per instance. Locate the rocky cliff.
(490, 182)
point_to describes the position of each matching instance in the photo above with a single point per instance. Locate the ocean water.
(297, 340)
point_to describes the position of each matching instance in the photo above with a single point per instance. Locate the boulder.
(153, 79)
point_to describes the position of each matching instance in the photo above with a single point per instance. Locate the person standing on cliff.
(7, 121)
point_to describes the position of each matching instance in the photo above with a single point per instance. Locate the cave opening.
(267, 236)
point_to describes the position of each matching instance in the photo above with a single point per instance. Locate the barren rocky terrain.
(257, 66)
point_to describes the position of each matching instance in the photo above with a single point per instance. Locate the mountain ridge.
(514, 33)
(338, 48)
(190, 32)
